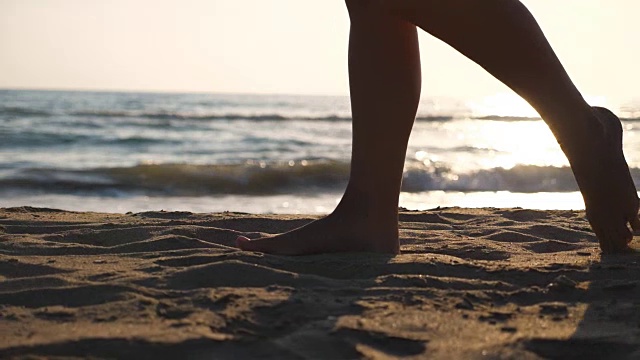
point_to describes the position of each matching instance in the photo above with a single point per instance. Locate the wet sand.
(470, 283)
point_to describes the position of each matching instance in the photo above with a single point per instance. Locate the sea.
(132, 152)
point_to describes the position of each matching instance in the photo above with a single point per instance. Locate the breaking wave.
(260, 178)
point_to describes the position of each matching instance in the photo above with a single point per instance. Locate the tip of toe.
(241, 240)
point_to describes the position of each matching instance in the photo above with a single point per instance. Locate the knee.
(359, 6)
(354, 5)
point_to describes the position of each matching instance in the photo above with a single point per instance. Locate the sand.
(469, 284)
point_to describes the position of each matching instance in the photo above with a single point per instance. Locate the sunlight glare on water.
(471, 144)
(519, 143)
(502, 104)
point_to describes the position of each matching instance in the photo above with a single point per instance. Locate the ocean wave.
(48, 139)
(23, 111)
(521, 178)
(507, 118)
(177, 115)
(14, 111)
(434, 118)
(185, 180)
(160, 115)
(259, 178)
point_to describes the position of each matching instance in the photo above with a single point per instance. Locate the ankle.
(369, 207)
(360, 214)
(579, 132)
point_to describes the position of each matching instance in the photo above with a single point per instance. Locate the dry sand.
(470, 283)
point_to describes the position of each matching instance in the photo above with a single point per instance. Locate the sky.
(277, 46)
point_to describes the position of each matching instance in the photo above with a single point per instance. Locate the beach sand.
(469, 284)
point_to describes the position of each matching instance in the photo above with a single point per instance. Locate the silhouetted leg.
(384, 74)
(503, 37)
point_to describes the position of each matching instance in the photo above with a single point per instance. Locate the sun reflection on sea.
(519, 143)
(486, 144)
(502, 104)
(509, 126)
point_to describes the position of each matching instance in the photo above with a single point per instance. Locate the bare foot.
(339, 232)
(604, 179)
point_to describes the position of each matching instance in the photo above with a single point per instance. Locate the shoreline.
(469, 283)
(294, 203)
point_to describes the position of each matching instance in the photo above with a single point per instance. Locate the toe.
(259, 245)
(613, 234)
(618, 238)
(606, 243)
(243, 243)
(609, 238)
(277, 245)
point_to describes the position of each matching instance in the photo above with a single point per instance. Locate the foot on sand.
(604, 179)
(341, 231)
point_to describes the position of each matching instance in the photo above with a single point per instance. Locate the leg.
(504, 38)
(384, 75)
